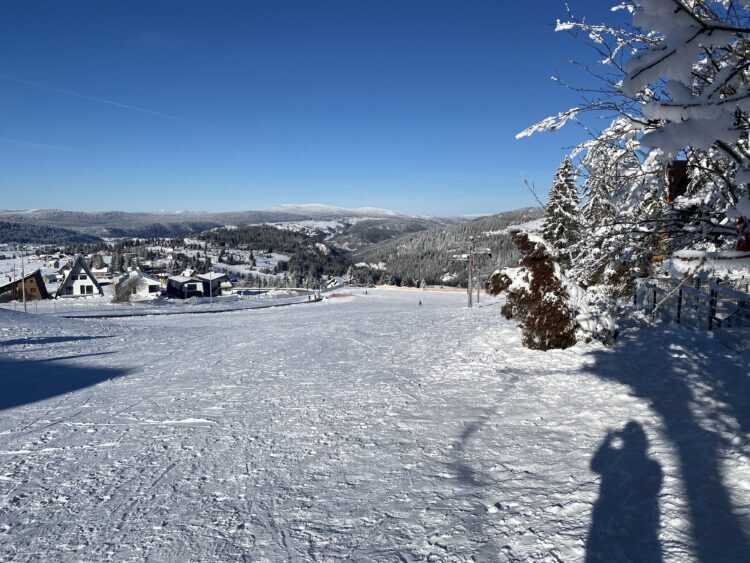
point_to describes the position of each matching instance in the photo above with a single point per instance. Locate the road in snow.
(364, 428)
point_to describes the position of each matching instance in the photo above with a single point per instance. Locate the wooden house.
(79, 281)
(32, 285)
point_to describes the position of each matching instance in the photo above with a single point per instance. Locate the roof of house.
(133, 274)
(212, 276)
(182, 279)
(37, 274)
(80, 264)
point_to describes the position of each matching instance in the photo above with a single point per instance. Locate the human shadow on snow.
(28, 381)
(625, 519)
(702, 394)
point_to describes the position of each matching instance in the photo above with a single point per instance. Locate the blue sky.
(405, 104)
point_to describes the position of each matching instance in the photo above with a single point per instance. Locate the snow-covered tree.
(680, 76)
(562, 227)
(536, 296)
(677, 85)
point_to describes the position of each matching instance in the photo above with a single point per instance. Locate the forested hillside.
(40, 234)
(361, 235)
(309, 257)
(258, 237)
(427, 254)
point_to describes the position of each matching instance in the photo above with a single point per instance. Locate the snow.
(311, 227)
(533, 226)
(363, 428)
(371, 265)
(448, 277)
(332, 210)
(728, 263)
(210, 276)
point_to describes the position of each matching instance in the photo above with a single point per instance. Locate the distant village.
(136, 270)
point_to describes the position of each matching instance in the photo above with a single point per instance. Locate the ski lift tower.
(470, 258)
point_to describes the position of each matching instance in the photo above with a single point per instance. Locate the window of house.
(153, 289)
(88, 289)
(82, 277)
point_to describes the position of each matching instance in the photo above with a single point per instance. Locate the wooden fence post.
(711, 308)
(679, 306)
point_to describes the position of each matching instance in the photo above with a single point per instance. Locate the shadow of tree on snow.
(48, 340)
(28, 381)
(702, 394)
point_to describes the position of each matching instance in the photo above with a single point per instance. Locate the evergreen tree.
(598, 208)
(562, 227)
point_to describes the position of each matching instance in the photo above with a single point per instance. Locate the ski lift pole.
(23, 282)
(470, 258)
(470, 285)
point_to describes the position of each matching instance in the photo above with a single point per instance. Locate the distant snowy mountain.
(351, 229)
(311, 218)
(320, 210)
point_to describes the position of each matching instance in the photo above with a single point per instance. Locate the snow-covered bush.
(552, 310)
(536, 296)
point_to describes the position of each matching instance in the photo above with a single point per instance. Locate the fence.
(710, 308)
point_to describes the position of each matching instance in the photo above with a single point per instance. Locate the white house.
(136, 286)
(79, 281)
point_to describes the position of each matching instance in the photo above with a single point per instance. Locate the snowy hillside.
(418, 433)
(325, 211)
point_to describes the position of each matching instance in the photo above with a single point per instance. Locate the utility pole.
(470, 259)
(23, 282)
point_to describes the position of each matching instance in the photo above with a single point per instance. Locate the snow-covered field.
(366, 428)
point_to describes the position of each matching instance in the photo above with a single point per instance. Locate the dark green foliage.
(540, 305)
(310, 263)
(362, 235)
(306, 259)
(155, 230)
(258, 237)
(39, 234)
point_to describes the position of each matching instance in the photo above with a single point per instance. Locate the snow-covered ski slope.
(366, 428)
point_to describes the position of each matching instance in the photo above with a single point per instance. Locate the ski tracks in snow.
(367, 429)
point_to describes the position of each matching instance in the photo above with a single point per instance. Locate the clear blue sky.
(169, 105)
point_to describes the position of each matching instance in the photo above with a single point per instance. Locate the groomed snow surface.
(367, 428)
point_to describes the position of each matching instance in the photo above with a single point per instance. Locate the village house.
(102, 275)
(32, 285)
(79, 281)
(184, 287)
(136, 286)
(213, 282)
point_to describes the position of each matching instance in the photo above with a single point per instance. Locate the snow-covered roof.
(140, 275)
(212, 276)
(182, 279)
